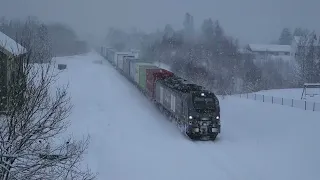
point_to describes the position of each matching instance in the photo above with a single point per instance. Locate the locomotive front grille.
(204, 129)
(204, 123)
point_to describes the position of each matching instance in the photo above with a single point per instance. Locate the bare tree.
(32, 143)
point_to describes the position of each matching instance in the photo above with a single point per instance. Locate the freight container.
(113, 57)
(126, 65)
(110, 53)
(137, 69)
(132, 68)
(143, 75)
(119, 59)
(125, 58)
(152, 76)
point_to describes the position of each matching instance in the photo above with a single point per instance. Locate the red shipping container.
(152, 76)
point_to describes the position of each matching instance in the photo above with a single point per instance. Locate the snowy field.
(131, 140)
(293, 93)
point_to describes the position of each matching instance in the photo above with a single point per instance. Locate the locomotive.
(195, 110)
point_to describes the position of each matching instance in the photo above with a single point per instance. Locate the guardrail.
(301, 104)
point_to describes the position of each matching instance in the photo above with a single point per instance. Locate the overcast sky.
(251, 21)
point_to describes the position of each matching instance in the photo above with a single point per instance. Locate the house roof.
(269, 47)
(11, 45)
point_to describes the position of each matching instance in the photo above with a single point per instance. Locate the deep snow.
(131, 140)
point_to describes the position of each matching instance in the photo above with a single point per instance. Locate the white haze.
(251, 21)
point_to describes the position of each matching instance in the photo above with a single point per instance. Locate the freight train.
(195, 110)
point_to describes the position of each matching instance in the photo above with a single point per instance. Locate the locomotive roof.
(181, 85)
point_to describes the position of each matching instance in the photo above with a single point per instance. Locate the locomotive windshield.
(205, 103)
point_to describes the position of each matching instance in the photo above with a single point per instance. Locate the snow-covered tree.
(307, 56)
(188, 24)
(31, 142)
(300, 32)
(285, 37)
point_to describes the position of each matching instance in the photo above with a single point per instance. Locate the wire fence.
(301, 104)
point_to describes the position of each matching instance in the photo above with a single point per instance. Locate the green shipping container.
(137, 69)
(143, 75)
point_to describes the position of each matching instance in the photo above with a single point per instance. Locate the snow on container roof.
(123, 53)
(162, 66)
(269, 47)
(11, 45)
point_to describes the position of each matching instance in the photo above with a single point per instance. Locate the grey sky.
(251, 21)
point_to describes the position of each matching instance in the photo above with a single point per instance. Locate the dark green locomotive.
(196, 111)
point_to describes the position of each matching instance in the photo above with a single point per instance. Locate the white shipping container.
(125, 61)
(136, 76)
(114, 59)
(120, 61)
(132, 69)
(119, 58)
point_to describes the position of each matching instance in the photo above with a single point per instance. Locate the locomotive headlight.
(202, 94)
(190, 117)
(217, 117)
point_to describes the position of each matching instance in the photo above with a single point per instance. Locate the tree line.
(209, 57)
(43, 39)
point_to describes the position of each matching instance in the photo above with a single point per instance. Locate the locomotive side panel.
(171, 100)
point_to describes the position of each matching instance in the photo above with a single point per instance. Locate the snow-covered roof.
(11, 45)
(269, 47)
(124, 53)
(316, 85)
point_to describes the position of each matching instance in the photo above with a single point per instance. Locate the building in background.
(11, 66)
(265, 52)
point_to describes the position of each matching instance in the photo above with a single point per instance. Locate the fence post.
(272, 99)
(314, 106)
(291, 102)
(281, 101)
(305, 105)
(262, 98)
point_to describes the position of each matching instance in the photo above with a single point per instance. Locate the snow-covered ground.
(131, 140)
(293, 93)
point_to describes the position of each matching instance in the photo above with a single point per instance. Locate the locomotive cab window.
(200, 102)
